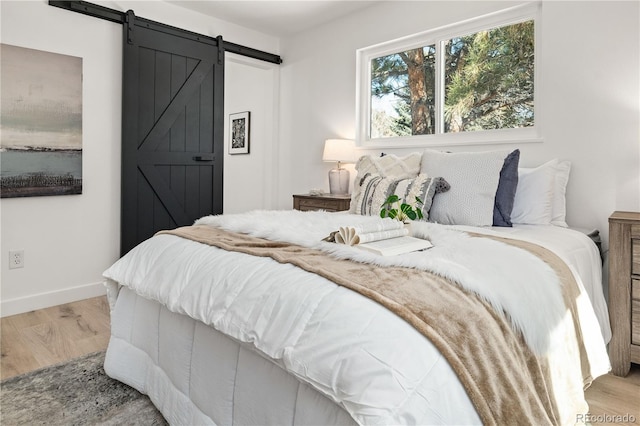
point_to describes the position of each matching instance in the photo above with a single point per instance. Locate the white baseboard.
(45, 300)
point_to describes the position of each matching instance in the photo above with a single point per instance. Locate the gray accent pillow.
(506, 193)
(473, 177)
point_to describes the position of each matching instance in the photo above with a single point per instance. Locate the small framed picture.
(239, 126)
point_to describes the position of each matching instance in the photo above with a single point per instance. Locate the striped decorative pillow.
(389, 165)
(376, 189)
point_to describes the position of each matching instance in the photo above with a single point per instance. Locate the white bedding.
(577, 250)
(361, 356)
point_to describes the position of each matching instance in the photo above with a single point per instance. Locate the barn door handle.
(203, 158)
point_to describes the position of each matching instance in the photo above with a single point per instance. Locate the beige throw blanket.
(504, 380)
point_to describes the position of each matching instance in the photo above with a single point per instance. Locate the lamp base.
(339, 181)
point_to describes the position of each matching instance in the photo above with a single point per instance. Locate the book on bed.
(396, 246)
(386, 238)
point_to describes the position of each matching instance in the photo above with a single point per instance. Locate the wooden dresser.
(624, 290)
(330, 203)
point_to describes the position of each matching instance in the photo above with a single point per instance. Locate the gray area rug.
(77, 392)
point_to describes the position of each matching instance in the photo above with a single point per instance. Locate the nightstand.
(328, 202)
(624, 290)
(594, 235)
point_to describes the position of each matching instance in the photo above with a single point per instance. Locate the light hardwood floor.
(49, 336)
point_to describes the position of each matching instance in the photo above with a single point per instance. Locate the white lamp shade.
(342, 150)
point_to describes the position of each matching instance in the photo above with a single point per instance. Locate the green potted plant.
(394, 209)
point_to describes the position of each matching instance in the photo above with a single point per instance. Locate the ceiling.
(278, 18)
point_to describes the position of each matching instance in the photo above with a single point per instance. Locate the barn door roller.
(130, 18)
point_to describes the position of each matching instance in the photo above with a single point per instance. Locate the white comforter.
(362, 356)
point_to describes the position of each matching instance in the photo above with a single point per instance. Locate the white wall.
(70, 240)
(590, 69)
(67, 240)
(250, 181)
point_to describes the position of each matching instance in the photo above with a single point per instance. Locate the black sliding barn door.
(172, 125)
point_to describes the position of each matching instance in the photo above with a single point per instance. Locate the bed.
(215, 334)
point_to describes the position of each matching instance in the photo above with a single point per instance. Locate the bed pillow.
(385, 166)
(506, 192)
(473, 177)
(376, 189)
(534, 195)
(559, 201)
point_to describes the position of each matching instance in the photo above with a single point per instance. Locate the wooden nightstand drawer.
(635, 256)
(319, 204)
(635, 322)
(330, 203)
(635, 312)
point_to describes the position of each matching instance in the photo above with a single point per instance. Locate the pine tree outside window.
(472, 82)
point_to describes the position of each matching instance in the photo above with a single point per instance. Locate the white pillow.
(559, 201)
(533, 204)
(473, 177)
(406, 167)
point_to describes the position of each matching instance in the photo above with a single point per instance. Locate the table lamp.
(341, 151)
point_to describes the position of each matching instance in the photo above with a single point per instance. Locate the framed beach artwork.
(40, 124)
(239, 126)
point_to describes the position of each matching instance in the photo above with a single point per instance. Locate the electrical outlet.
(16, 259)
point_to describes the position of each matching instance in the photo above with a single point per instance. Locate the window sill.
(487, 137)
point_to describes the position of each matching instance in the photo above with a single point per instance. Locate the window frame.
(439, 36)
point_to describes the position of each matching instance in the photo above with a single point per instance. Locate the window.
(472, 82)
